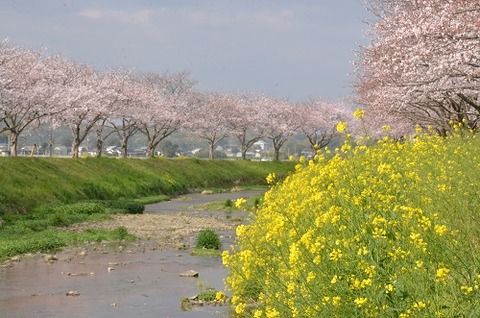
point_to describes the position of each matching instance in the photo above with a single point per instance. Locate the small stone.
(73, 293)
(78, 274)
(110, 269)
(189, 273)
(50, 258)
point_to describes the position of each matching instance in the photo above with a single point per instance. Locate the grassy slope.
(28, 182)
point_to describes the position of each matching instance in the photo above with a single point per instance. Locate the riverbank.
(26, 183)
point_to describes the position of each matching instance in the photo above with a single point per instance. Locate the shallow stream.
(135, 280)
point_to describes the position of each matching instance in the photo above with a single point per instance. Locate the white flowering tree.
(115, 86)
(318, 120)
(244, 118)
(167, 111)
(25, 93)
(127, 118)
(424, 62)
(280, 121)
(207, 118)
(82, 98)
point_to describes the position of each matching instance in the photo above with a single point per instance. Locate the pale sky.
(282, 48)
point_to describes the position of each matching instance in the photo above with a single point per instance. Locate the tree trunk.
(211, 150)
(277, 154)
(124, 145)
(150, 149)
(13, 143)
(99, 147)
(244, 152)
(75, 147)
(99, 143)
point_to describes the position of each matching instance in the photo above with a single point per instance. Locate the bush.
(384, 231)
(208, 239)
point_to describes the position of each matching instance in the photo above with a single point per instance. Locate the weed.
(208, 239)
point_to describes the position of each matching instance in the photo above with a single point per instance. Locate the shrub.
(384, 231)
(208, 239)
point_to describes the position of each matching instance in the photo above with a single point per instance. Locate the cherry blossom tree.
(280, 121)
(114, 86)
(167, 112)
(207, 119)
(81, 96)
(424, 62)
(243, 120)
(7, 53)
(24, 91)
(126, 121)
(318, 120)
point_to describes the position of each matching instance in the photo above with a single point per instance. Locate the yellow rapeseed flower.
(342, 127)
(389, 288)
(240, 202)
(442, 274)
(419, 305)
(440, 229)
(360, 302)
(336, 301)
(271, 178)
(336, 254)
(334, 279)
(466, 289)
(220, 296)
(359, 113)
(240, 308)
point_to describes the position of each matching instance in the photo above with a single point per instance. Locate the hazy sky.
(283, 48)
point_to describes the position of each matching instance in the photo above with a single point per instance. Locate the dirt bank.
(177, 222)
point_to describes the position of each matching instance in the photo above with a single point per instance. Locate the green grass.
(229, 205)
(206, 252)
(42, 229)
(153, 199)
(28, 182)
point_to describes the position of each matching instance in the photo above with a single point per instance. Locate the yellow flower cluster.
(271, 178)
(240, 202)
(389, 230)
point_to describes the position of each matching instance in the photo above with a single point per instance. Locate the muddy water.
(135, 280)
(126, 284)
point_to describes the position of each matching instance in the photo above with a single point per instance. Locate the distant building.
(262, 145)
